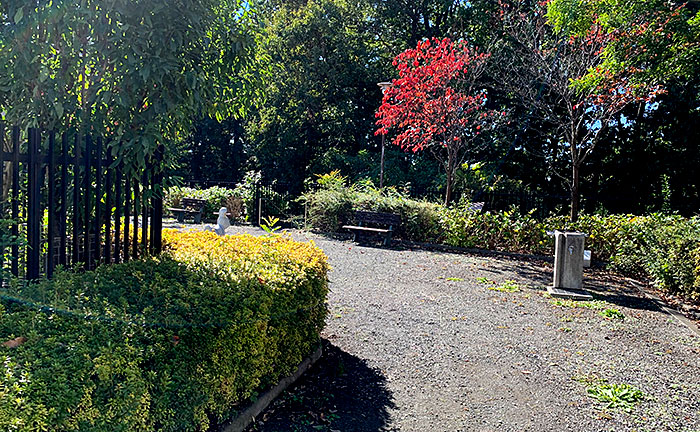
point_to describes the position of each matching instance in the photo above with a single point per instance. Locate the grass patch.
(612, 313)
(614, 396)
(623, 396)
(483, 280)
(594, 304)
(454, 279)
(508, 286)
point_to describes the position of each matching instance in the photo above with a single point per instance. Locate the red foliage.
(435, 102)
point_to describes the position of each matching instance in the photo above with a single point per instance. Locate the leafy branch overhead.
(138, 71)
(572, 70)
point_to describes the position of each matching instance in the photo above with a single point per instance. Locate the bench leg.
(387, 240)
(181, 217)
(198, 218)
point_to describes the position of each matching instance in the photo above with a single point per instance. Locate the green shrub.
(215, 197)
(331, 204)
(327, 209)
(169, 343)
(275, 203)
(666, 249)
(604, 234)
(507, 231)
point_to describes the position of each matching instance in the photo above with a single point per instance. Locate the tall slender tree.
(323, 93)
(559, 70)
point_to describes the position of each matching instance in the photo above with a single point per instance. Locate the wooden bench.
(190, 207)
(381, 224)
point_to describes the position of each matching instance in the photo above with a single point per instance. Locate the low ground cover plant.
(622, 396)
(507, 286)
(593, 304)
(615, 396)
(612, 313)
(175, 342)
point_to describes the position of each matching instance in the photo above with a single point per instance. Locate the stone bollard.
(568, 265)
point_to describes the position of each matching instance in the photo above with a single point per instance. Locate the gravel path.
(423, 341)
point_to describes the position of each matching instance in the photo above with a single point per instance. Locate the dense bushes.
(172, 343)
(275, 203)
(504, 231)
(664, 248)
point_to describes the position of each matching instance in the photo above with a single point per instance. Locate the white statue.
(221, 223)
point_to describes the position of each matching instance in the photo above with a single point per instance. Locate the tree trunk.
(575, 193)
(450, 177)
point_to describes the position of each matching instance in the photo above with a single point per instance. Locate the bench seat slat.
(187, 210)
(184, 210)
(362, 228)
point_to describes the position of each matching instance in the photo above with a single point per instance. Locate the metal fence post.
(33, 210)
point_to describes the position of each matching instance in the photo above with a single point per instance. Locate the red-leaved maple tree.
(436, 103)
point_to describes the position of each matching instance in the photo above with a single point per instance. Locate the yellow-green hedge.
(176, 342)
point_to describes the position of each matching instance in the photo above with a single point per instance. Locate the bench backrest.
(193, 203)
(235, 207)
(374, 218)
(476, 206)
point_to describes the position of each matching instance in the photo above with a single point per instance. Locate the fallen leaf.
(14, 343)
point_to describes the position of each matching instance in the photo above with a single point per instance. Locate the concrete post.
(568, 266)
(568, 260)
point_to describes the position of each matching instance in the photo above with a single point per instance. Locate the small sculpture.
(221, 223)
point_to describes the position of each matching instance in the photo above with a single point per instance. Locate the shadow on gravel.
(619, 295)
(340, 392)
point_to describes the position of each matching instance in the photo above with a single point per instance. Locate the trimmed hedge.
(173, 343)
(663, 248)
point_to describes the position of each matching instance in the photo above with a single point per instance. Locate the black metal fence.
(69, 204)
(273, 200)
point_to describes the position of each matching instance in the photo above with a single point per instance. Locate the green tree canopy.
(138, 70)
(660, 38)
(323, 91)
